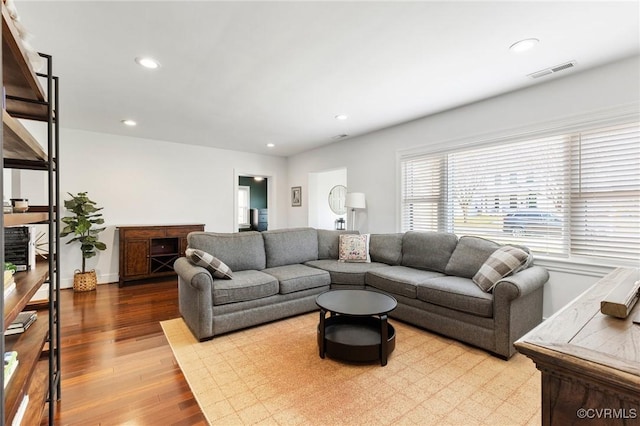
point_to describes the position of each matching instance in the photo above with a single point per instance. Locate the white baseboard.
(102, 279)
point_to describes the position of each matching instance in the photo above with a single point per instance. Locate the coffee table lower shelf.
(355, 339)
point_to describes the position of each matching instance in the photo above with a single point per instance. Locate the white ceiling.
(239, 75)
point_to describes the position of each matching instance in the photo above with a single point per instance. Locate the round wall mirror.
(337, 198)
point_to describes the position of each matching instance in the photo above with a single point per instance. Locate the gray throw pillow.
(210, 262)
(504, 261)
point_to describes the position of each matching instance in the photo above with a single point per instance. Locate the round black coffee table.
(357, 329)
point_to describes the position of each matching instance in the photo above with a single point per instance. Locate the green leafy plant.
(8, 266)
(85, 215)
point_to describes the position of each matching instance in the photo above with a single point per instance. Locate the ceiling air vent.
(552, 70)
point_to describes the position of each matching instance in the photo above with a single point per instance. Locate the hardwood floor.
(117, 367)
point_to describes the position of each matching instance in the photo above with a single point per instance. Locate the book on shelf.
(9, 282)
(10, 365)
(22, 409)
(22, 322)
(8, 289)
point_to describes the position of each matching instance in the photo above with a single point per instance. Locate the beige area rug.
(272, 375)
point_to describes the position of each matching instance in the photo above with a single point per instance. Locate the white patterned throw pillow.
(210, 262)
(354, 248)
(502, 262)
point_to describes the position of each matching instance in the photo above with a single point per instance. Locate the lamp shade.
(355, 200)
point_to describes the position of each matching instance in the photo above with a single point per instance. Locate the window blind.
(605, 193)
(572, 194)
(512, 195)
(422, 193)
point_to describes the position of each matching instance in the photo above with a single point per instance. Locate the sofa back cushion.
(290, 246)
(428, 250)
(469, 255)
(386, 248)
(240, 251)
(329, 241)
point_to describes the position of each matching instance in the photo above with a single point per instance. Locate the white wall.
(320, 184)
(26, 183)
(371, 160)
(149, 182)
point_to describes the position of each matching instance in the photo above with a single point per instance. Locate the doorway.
(252, 196)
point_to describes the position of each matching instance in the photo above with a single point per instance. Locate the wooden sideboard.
(590, 362)
(149, 251)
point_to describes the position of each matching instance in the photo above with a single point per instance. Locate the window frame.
(592, 122)
(247, 189)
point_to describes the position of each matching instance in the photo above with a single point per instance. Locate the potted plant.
(81, 223)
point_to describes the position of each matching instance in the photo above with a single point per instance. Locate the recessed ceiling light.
(270, 145)
(130, 123)
(258, 178)
(524, 45)
(147, 62)
(341, 117)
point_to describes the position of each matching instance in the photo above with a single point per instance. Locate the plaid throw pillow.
(210, 262)
(502, 262)
(354, 248)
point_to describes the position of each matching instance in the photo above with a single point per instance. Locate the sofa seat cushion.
(245, 285)
(399, 279)
(457, 293)
(345, 273)
(298, 277)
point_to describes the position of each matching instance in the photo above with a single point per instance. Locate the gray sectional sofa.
(279, 273)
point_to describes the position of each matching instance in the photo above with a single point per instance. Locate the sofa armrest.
(196, 276)
(521, 283)
(517, 306)
(195, 287)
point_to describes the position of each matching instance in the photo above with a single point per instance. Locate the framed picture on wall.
(296, 196)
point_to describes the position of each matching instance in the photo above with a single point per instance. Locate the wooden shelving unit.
(38, 371)
(18, 143)
(19, 78)
(29, 346)
(14, 219)
(27, 283)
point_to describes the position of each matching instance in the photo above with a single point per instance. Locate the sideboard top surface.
(170, 225)
(580, 334)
